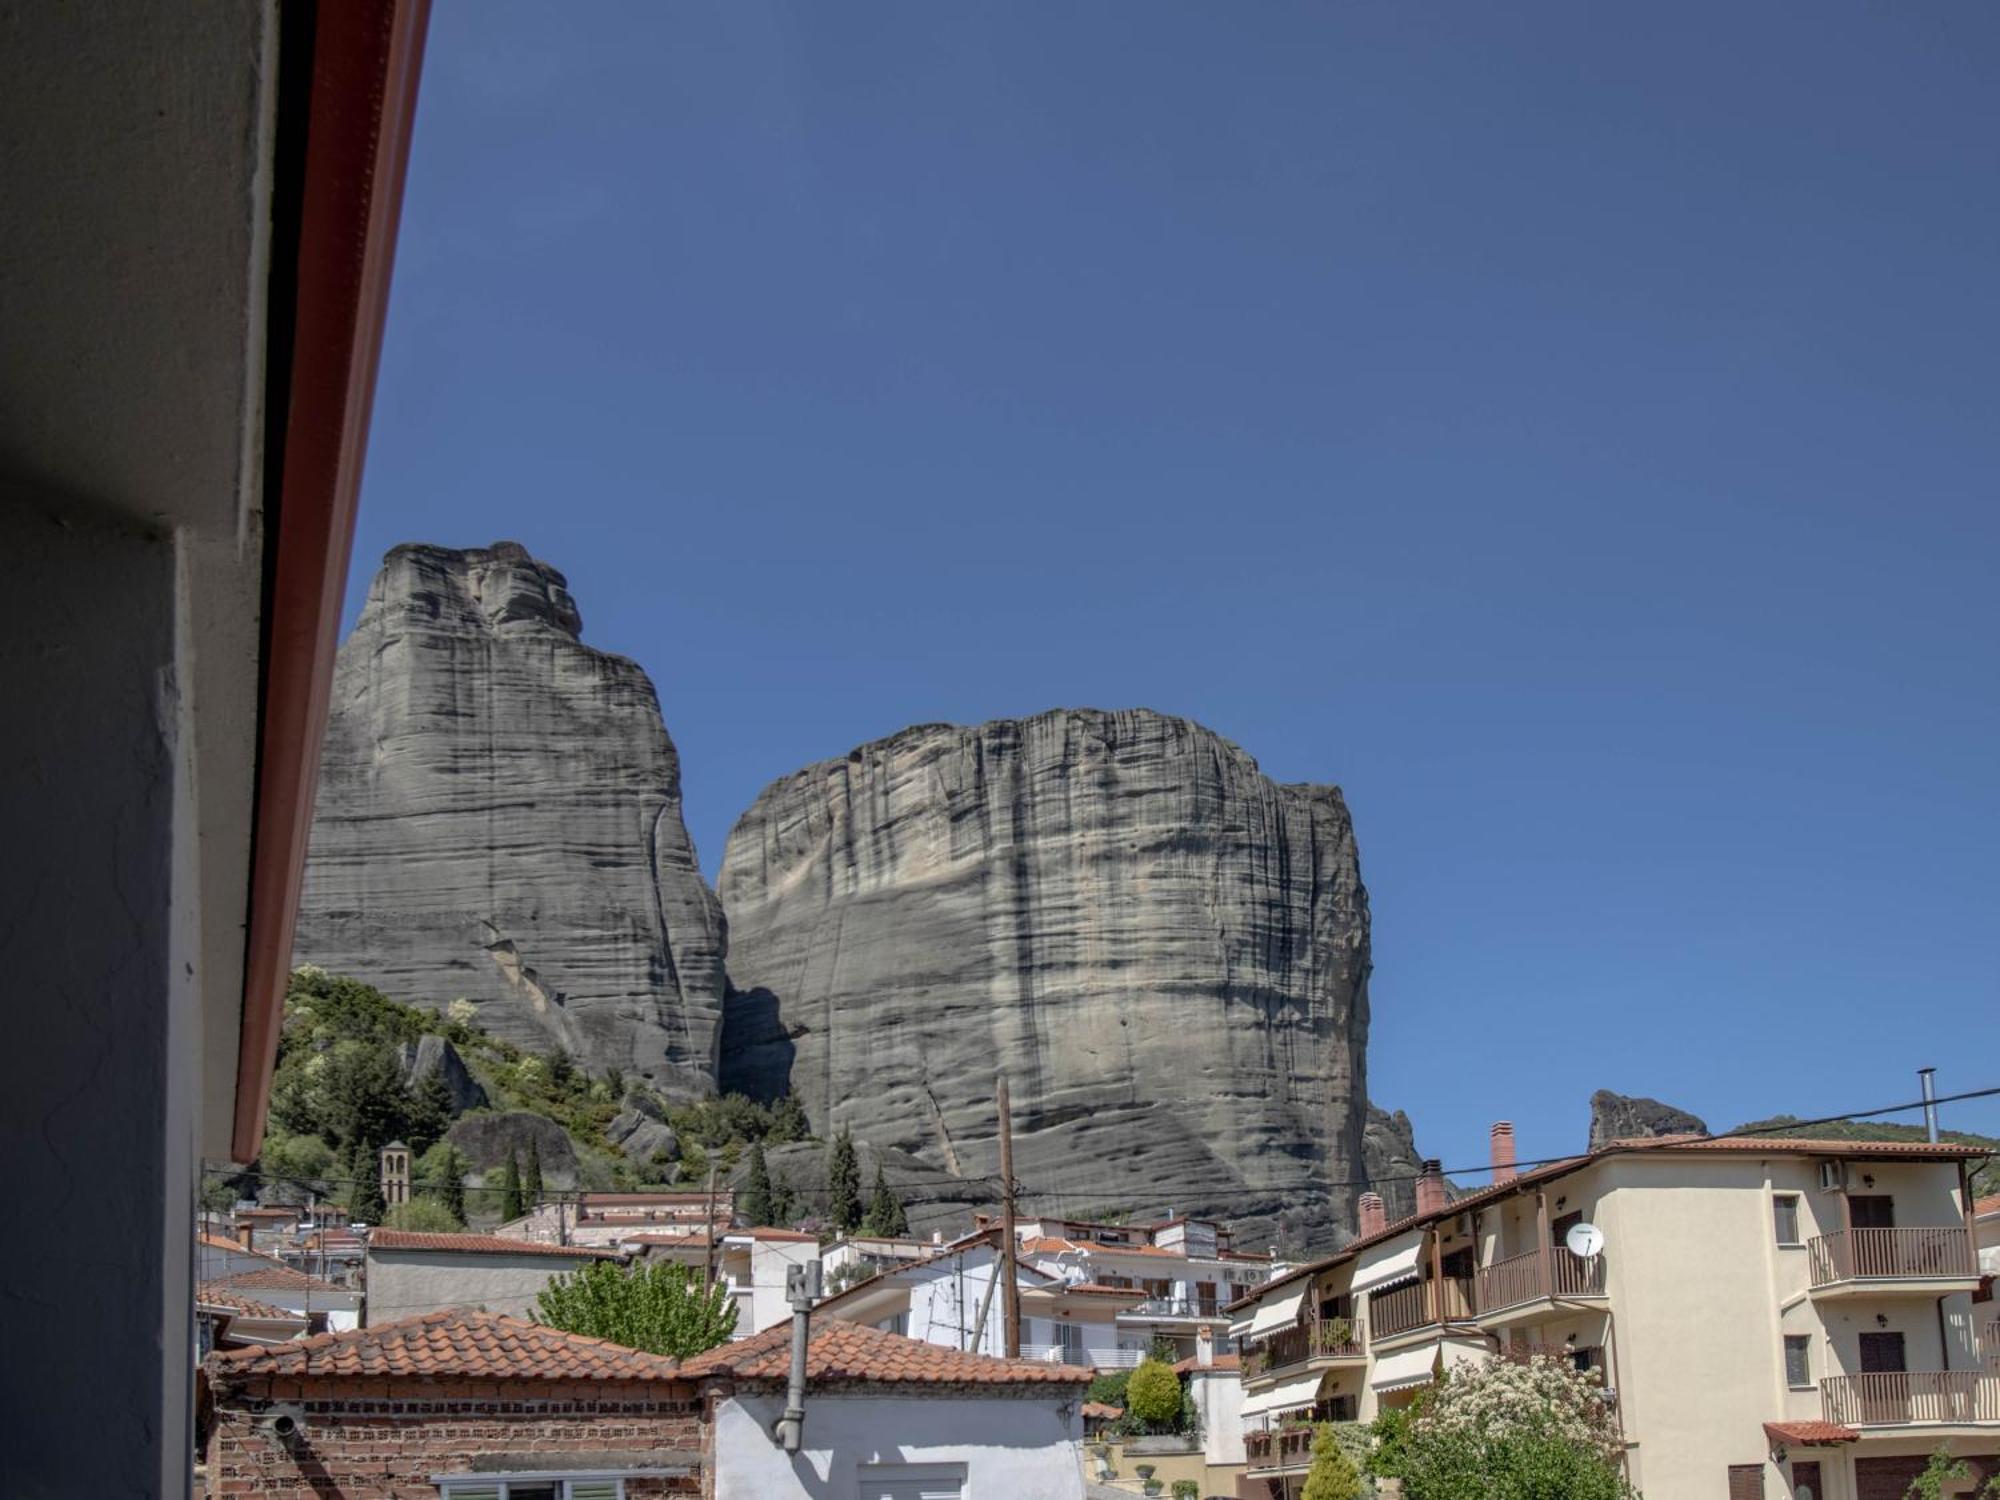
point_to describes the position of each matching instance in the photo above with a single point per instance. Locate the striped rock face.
(1165, 949)
(499, 819)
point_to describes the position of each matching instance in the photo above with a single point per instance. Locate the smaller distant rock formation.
(486, 1141)
(1618, 1117)
(433, 1054)
(640, 1131)
(1389, 1147)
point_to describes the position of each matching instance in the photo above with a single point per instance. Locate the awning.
(1404, 1368)
(1302, 1390)
(1274, 1313)
(1392, 1260)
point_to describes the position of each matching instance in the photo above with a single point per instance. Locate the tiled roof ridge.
(479, 1244)
(618, 1361)
(853, 1351)
(215, 1294)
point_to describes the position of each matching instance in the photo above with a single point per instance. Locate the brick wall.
(376, 1440)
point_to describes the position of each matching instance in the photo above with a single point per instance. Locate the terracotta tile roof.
(1192, 1365)
(1098, 1411)
(221, 1242)
(1810, 1434)
(480, 1244)
(1098, 1289)
(853, 1351)
(276, 1279)
(218, 1294)
(1770, 1145)
(1981, 1207)
(788, 1235)
(456, 1345)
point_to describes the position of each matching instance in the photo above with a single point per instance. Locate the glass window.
(1798, 1359)
(1785, 1217)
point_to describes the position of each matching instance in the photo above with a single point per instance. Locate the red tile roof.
(1098, 1411)
(480, 1244)
(217, 1294)
(1981, 1207)
(277, 1279)
(777, 1234)
(1194, 1366)
(455, 1345)
(852, 1351)
(1810, 1434)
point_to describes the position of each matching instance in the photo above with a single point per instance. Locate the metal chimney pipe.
(1928, 1078)
(802, 1290)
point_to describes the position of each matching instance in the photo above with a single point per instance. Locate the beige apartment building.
(1786, 1318)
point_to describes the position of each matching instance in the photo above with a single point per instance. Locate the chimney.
(1374, 1217)
(1503, 1152)
(1430, 1187)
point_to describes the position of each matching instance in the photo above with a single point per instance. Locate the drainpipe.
(1928, 1078)
(801, 1290)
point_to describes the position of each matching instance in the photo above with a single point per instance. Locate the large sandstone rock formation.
(1622, 1117)
(1167, 951)
(499, 818)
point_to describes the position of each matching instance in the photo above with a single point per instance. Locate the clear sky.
(1572, 429)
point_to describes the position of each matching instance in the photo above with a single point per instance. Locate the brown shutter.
(1746, 1482)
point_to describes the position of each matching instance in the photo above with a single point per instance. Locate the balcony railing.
(1916, 1398)
(1907, 1254)
(1415, 1306)
(1175, 1307)
(1293, 1346)
(1097, 1359)
(1531, 1277)
(1282, 1448)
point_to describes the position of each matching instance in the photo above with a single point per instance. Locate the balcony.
(1916, 1399)
(1924, 1261)
(1097, 1359)
(1524, 1285)
(1420, 1304)
(1279, 1448)
(1177, 1307)
(1298, 1346)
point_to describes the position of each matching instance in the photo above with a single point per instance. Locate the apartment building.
(1770, 1317)
(602, 1219)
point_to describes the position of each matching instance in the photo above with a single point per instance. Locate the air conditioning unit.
(1832, 1176)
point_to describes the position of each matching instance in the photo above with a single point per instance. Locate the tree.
(1153, 1394)
(511, 1205)
(451, 1182)
(885, 1211)
(755, 1203)
(660, 1308)
(363, 1168)
(430, 1110)
(531, 1175)
(366, 1102)
(1510, 1430)
(1333, 1475)
(1941, 1469)
(425, 1214)
(788, 1122)
(843, 1184)
(694, 1162)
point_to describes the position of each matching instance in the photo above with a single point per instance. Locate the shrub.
(1187, 1489)
(1153, 1395)
(424, 1214)
(1333, 1475)
(1507, 1430)
(661, 1308)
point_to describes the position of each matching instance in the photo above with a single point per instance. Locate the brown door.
(1559, 1228)
(1884, 1396)
(1885, 1478)
(1871, 1210)
(1805, 1482)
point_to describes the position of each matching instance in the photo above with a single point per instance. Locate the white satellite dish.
(1585, 1241)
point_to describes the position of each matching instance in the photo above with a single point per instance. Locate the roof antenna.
(1928, 1078)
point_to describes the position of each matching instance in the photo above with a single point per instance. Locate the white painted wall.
(1014, 1448)
(1218, 1396)
(408, 1284)
(769, 1262)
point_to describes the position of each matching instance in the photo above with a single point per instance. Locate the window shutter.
(593, 1489)
(1746, 1482)
(471, 1491)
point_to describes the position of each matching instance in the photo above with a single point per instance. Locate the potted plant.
(1187, 1489)
(1144, 1471)
(1339, 1333)
(1155, 1486)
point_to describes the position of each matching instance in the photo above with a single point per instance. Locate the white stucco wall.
(404, 1284)
(1013, 1448)
(1218, 1396)
(769, 1261)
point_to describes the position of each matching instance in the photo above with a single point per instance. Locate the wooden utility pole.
(1012, 1306)
(708, 1236)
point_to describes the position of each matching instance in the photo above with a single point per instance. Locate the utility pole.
(708, 1232)
(1012, 1306)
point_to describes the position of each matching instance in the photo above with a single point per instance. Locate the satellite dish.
(1585, 1241)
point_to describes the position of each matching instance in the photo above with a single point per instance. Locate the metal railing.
(1097, 1359)
(1293, 1346)
(1415, 1306)
(1908, 1254)
(1279, 1448)
(1174, 1307)
(1908, 1399)
(1529, 1278)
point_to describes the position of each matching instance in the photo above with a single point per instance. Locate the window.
(529, 1487)
(1798, 1359)
(1785, 1217)
(1069, 1337)
(898, 1323)
(1746, 1482)
(911, 1482)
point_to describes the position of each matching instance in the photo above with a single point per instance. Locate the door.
(1885, 1478)
(1885, 1395)
(1871, 1210)
(1805, 1482)
(911, 1482)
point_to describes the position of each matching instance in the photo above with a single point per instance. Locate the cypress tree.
(788, 1121)
(364, 1190)
(843, 1184)
(430, 1110)
(451, 1184)
(531, 1176)
(885, 1209)
(511, 1206)
(756, 1203)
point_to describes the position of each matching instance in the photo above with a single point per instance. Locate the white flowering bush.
(1508, 1430)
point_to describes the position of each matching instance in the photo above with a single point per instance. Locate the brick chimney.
(1503, 1152)
(1430, 1187)
(1374, 1216)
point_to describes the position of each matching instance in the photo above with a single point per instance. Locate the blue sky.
(1570, 429)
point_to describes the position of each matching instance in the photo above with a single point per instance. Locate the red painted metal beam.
(366, 59)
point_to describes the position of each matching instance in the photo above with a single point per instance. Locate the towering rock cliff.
(1620, 1117)
(499, 818)
(1166, 950)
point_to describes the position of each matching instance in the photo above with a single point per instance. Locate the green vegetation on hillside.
(1985, 1175)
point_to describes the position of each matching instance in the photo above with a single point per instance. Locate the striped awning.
(1390, 1261)
(1302, 1390)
